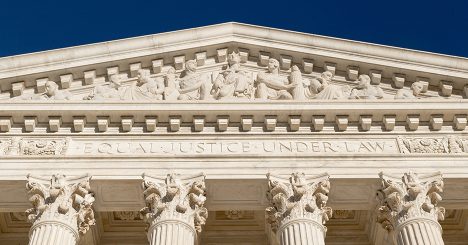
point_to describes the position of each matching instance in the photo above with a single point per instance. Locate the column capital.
(65, 201)
(175, 198)
(411, 197)
(298, 198)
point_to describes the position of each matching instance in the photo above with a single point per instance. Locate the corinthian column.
(174, 208)
(408, 206)
(61, 209)
(299, 209)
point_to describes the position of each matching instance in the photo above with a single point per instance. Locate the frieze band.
(400, 145)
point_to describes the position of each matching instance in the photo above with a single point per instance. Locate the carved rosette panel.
(61, 199)
(297, 198)
(127, 215)
(410, 198)
(447, 144)
(234, 214)
(175, 198)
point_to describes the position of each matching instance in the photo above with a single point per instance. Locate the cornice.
(226, 33)
(114, 50)
(372, 116)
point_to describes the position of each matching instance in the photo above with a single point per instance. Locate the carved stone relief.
(17, 146)
(322, 88)
(364, 89)
(170, 91)
(270, 85)
(111, 91)
(234, 82)
(234, 214)
(146, 88)
(447, 144)
(193, 85)
(127, 215)
(416, 90)
(21, 146)
(18, 216)
(343, 214)
(52, 92)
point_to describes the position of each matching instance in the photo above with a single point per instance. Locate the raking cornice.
(65, 58)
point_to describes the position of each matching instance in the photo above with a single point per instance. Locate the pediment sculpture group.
(232, 83)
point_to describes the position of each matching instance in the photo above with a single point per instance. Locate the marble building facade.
(233, 134)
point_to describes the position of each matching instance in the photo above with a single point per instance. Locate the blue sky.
(34, 25)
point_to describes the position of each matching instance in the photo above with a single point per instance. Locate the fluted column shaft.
(302, 232)
(52, 233)
(171, 232)
(419, 232)
(298, 209)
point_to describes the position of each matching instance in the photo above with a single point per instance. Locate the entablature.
(235, 117)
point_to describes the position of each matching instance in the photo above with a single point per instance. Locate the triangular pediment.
(79, 70)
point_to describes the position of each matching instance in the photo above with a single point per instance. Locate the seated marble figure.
(147, 88)
(232, 82)
(52, 92)
(270, 85)
(416, 90)
(322, 88)
(111, 91)
(364, 90)
(192, 84)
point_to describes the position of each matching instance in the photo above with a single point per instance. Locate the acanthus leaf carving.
(61, 199)
(175, 198)
(412, 197)
(297, 198)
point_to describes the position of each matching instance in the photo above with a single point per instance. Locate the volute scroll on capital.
(298, 197)
(175, 198)
(412, 197)
(66, 200)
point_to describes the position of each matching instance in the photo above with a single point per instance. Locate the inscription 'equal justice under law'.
(235, 147)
